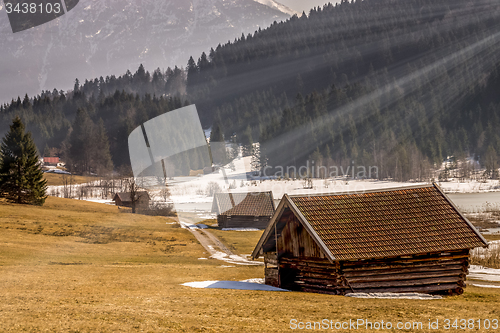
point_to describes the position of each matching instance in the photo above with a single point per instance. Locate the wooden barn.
(243, 210)
(410, 239)
(124, 199)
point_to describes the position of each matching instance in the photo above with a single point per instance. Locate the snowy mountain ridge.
(278, 6)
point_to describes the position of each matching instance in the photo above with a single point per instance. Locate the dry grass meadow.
(54, 179)
(73, 266)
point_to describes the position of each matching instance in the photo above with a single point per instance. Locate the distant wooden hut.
(124, 199)
(243, 210)
(400, 240)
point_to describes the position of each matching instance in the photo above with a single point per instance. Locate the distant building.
(410, 239)
(124, 199)
(52, 161)
(243, 210)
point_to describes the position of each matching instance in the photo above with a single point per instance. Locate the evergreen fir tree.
(101, 157)
(21, 176)
(80, 153)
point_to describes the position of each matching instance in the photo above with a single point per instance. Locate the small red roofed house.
(52, 161)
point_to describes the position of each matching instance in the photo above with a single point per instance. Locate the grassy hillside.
(54, 179)
(81, 267)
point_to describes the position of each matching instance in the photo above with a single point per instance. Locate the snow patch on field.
(470, 186)
(240, 229)
(483, 273)
(233, 258)
(187, 225)
(394, 295)
(484, 285)
(103, 201)
(237, 285)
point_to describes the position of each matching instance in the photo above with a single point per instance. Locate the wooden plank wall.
(427, 273)
(311, 275)
(271, 269)
(295, 241)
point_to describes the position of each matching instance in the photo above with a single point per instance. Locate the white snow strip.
(207, 216)
(483, 273)
(254, 280)
(485, 285)
(278, 6)
(240, 229)
(237, 285)
(186, 225)
(394, 295)
(234, 259)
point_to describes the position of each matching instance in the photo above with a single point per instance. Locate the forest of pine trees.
(88, 127)
(400, 85)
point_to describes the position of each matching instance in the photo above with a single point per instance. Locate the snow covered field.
(484, 273)
(195, 194)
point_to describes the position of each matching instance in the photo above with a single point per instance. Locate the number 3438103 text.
(33, 8)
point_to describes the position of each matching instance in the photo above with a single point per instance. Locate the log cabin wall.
(437, 273)
(311, 275)
(271, 269)
(259, 222)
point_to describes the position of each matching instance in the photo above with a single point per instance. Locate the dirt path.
(215, 247)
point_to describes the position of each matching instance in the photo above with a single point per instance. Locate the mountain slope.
(104, 37)
(377, 83)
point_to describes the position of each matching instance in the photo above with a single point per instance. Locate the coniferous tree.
(80, 151)
(101, 157)
(21, 176)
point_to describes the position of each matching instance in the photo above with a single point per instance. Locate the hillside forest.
(400, 85)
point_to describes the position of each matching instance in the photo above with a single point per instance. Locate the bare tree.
(134, 193)
(165, 194)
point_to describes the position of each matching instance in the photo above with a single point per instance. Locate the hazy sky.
(304, 5)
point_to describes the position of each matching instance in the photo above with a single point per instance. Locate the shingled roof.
(244, 204)
(378, 224)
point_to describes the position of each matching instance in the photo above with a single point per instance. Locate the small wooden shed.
(124, 199)
(243, 210)
(410, 239)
